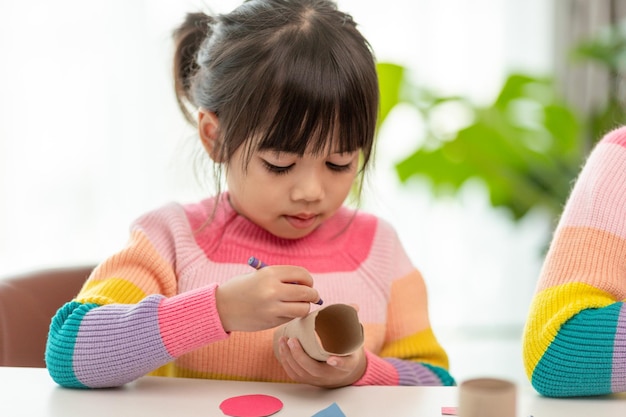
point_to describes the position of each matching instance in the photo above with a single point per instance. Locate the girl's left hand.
(337, 371)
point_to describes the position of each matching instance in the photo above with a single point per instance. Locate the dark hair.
(292, 74)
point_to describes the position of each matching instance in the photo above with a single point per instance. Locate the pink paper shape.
(253, 405)
(448, 411)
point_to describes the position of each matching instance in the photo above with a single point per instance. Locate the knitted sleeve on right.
(574, 341)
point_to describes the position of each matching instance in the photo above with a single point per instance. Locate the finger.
(291, 367)
(299, 293)
(302, 363)
(339, 363)
(293, 311)
(294, 275)
(269, 288)
(289, 275)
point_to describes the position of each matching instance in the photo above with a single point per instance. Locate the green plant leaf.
(523, 148)
(527, 147)
(390, 78)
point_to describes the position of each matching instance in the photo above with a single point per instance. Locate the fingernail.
(292, 343)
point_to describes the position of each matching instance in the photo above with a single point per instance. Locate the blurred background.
(489, 108)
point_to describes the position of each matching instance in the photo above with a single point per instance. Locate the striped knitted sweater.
(575, 337)
(150, 309)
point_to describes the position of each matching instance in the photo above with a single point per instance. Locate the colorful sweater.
(575, 337)
(150, 309)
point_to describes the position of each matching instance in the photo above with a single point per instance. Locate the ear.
(208, 129)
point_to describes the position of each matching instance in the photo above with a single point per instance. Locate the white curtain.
(90, 136)
(585, 86)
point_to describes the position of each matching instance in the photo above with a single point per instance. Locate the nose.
(308, 187)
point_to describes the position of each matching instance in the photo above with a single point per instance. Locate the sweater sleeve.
(574, 341)
(411, 354)
(128, 320)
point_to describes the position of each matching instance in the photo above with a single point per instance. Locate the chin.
(293, 234)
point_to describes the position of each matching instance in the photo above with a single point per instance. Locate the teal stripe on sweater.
(61, 340)
(579, 361)
(442, 374)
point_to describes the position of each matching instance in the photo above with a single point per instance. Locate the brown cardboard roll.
(333, 330)
(487, 397)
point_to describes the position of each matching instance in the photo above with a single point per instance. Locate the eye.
(276, 169)
(339, 168)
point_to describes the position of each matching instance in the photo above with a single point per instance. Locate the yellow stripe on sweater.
(551, 308)
(109, 291)
(422, 345)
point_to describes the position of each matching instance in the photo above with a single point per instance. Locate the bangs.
(305, 96)
(304, 125)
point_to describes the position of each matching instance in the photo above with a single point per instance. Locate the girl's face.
(288, 195)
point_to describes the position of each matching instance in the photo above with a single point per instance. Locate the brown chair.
(27, 304)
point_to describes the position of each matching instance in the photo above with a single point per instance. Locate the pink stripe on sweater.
(378, 372)
(617, 136)
(336, 248)
(599, 196)
(190, 320)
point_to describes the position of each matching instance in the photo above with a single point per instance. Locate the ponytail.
(188, 39)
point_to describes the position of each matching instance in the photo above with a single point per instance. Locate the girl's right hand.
(265, 298)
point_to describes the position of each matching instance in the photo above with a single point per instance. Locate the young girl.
(575, 336)
(286, 97)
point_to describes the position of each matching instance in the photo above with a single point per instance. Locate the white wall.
(90, 136)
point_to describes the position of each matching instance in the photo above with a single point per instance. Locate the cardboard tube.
(333, 330)
(487, 397)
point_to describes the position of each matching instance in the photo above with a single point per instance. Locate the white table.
(30, 392)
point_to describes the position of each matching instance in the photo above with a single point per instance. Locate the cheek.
(345, 183)
(251, 188)
(238, 178)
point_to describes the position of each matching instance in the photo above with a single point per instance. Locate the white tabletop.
(30, 392)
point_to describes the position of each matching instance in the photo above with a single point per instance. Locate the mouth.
(301, 221)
